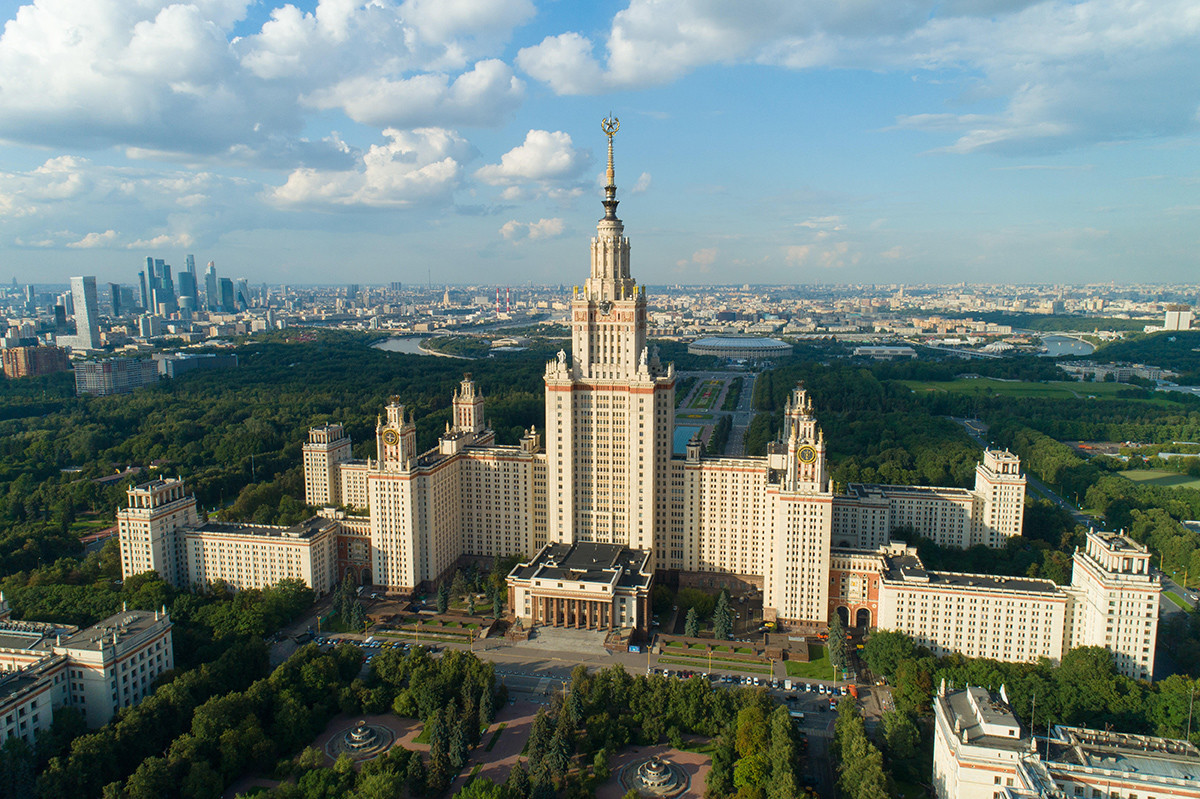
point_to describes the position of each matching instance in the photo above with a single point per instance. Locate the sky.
(460, 142)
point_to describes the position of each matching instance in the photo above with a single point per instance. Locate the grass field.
(1177, 599)
(1017, 388)
(819, 668)
(1162, 478)
(701, 662)
(706, 395)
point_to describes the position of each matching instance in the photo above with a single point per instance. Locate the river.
(410, 345)
(1065, 345)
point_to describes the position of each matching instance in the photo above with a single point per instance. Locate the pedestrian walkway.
(563, 639)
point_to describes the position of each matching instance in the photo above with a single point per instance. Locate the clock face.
(605, 307)
(390, 437)
(807, 454)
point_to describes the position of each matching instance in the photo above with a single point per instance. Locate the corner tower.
(609, 402)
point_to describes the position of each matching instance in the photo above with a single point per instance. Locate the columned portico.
(582, 613)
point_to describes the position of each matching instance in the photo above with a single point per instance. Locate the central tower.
(609, 403)
(608, 328)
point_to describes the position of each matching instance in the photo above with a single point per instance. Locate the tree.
(722, 618)
(443, 598)
(884, 650)
(600, 766)
(752, 731)
(837, 642)
(900, 735)
(912, 688)
(691, 626)
(517, 783)
(415, 775)
(539, 739)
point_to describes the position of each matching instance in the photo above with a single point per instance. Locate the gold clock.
(807, 454)
(390, 437)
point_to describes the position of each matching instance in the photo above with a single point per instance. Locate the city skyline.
(980, 142)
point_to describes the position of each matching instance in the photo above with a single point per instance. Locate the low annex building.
(981, 751)
(588, 586)
(97, 670)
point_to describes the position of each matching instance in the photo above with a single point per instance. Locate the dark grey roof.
(305, 529)
(588, 562)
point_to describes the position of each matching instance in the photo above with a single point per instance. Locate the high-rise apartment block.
(114, 376)
(327, 447)
(1178, 317)
(1115, 601)
(33, 361)
(87, 315)
(1112, 602)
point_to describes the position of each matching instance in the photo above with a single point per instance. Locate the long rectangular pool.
(682, 436)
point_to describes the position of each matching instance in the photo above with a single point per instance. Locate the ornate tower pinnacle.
(610, 127)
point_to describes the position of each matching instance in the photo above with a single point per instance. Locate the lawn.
(701, 661)
(706, 395)
(819, 668)
(495, 737)
(1177, 599)
(1049, 390)
(693, 416)
(1162, 478)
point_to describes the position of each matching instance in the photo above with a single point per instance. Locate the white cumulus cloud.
(423, 165)
(542, 156)
(482, 96)
(515, 231)
(1065, 72)
(105, 239)
(169, 79)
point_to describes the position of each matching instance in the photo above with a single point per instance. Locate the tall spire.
(610, 127)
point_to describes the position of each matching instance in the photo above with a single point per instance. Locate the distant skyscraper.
(60, 320)
(87, 313)
(114, 298)
(212, 298)
(241, 294)
(144, 297)
(227, 302)
(190, 264)
(187, 288)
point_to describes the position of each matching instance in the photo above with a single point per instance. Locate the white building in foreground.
(981, 752)
(98, 670)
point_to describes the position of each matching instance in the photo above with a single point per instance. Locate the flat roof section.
(305, 529)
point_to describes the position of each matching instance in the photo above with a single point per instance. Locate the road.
(977, 430)
(742, 414)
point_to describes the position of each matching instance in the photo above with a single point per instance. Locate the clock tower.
(395, 438)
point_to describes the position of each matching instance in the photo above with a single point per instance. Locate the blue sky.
(781, 141)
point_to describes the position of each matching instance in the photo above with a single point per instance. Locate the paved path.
(517, 716)
(694, 764)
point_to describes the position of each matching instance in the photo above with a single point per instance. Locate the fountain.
(363, 741)
(657, 777)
